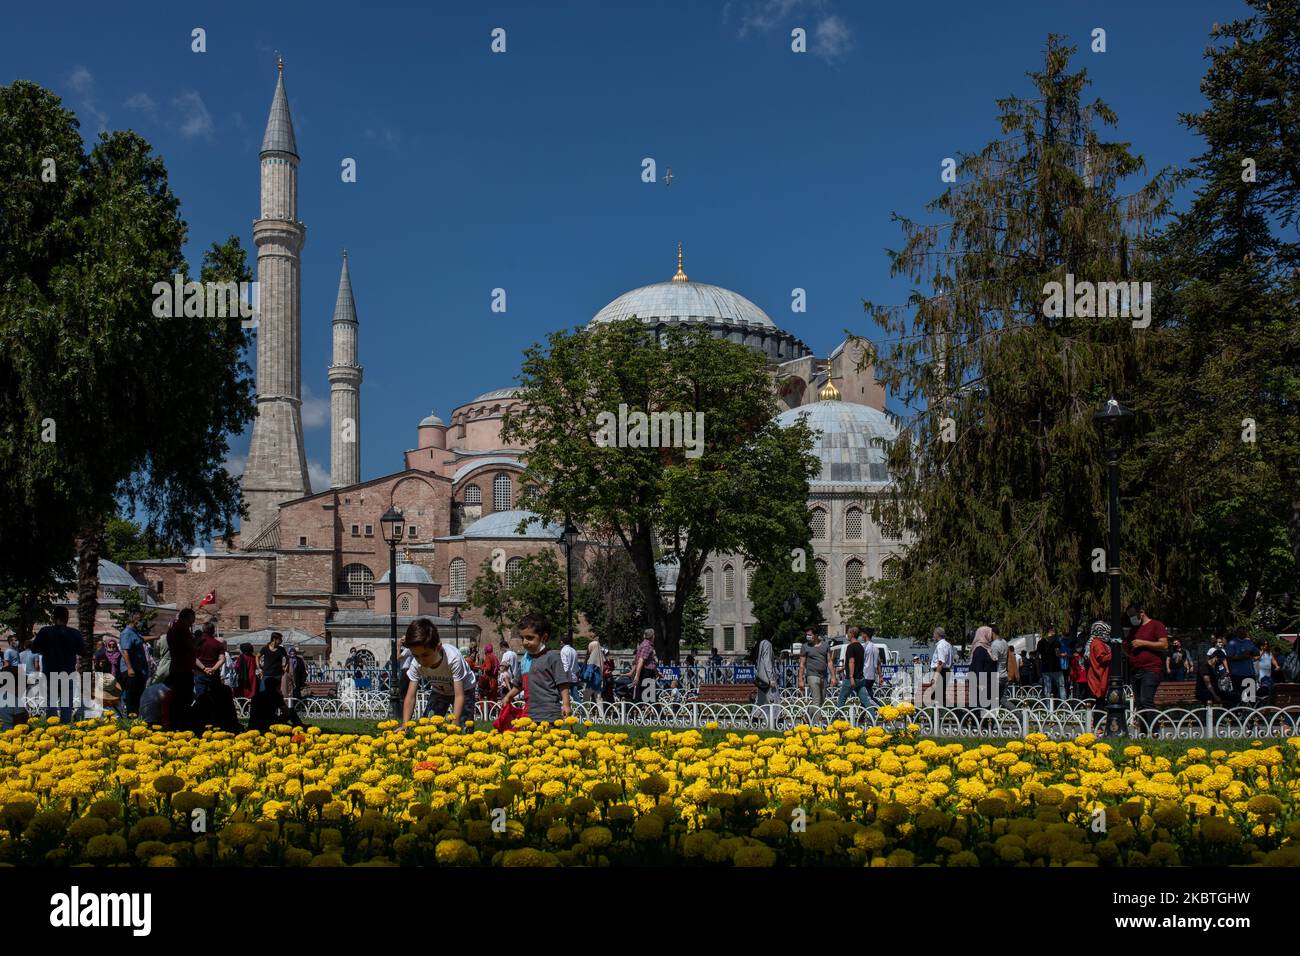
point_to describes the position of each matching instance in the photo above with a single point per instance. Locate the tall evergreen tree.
(103, 405)
(1222, 459)
(999, 478)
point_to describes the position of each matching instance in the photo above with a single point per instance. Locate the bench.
(1285, 695)
(1176, 693)
(726, 694)
(320, 689)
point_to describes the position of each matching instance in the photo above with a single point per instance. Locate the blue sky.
(522, 170)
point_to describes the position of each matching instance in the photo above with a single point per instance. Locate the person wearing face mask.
(1176, 663)
(1146, 653)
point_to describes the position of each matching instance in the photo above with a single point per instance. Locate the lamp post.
(1113, 420)
(568, 538)
(393, 526)
(455, 625)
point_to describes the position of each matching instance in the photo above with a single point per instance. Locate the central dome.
(686, 302)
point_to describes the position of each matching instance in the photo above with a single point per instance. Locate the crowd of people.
(185, 679)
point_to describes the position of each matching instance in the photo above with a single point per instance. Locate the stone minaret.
(277, 462)
(345, 389)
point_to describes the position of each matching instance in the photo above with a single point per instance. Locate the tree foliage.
(745, 490)
(104, 406)
(1002, 520)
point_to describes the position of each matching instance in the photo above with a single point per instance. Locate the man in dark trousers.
(60, 648)
(180, 679)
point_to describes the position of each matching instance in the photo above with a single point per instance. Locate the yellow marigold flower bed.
(94, 793)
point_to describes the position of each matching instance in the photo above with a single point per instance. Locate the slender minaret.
(277, 462)
(345, 389)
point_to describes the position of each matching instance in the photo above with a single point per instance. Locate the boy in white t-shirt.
(451, 682)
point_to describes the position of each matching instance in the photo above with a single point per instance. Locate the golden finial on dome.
(829, 393)
(680, 276)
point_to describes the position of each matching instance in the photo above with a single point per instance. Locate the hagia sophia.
(315, 566)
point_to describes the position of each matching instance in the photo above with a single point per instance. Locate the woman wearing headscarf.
(983, 692)
(1099, 663)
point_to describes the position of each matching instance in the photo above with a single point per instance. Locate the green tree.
(537, 586)
(787, 593)
(609, 596)
(124, 540)
(132, 602)
(742, 488)
(694, 631)
(104, 407)
(998, 478)
(1221, 460)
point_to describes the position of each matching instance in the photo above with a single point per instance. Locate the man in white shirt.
(451, 682)
(941, 665)
(569, 659)
(873, 659)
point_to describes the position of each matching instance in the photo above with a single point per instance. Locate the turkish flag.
(209, 598)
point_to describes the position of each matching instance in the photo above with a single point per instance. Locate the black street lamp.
(1113, 421)
(455, 624)
(568, 538)
(393, 526)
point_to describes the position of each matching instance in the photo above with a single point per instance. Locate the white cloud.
(195, 118)
(315, 411)
(832, 38)
(83, 85)
(319, 476)
(235, 464)
(142, 101)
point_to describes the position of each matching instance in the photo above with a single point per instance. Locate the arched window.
(513, 569)
(728, 582)
(457, 575)
(852, 576)
(749, 577)
(363, 657)
(821, 574)
(890, 568)
(473, 495)
(819, 522)
(405, 603)
(502, 497)
(707, 579)
(853, 523)
(357, 580)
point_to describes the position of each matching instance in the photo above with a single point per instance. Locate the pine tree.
(998, 479)
(1222, 460)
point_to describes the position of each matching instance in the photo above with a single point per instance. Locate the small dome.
(432, 419)
(115, 576)
(408, 574)
(503, 524)
(849, 445)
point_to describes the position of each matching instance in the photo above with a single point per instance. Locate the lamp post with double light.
(393, 527)
(1113, 420)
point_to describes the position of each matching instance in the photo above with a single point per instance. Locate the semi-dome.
(408, 574)
(850, 441)
(495, 394)
(503, 524)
